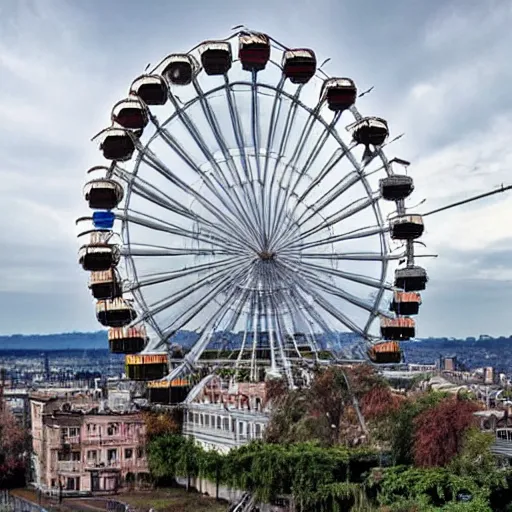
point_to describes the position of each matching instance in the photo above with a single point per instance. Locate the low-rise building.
(82, 447)
(221, 415)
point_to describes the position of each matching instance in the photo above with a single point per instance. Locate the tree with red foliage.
(378, 402)
(13, 449)
(439, 431)
(162, 423)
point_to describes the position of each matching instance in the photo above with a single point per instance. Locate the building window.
(257, 430)
(140, 453)
(202, 419)
(112, 429)
(112, 455)
(54, 482)
(128, 453)
(92, 455)
(73, 484)
(258, 404)
(75, 456)
(73, 431)
(225, 424)
(91, 428)
(241, 426)
(218, 422)
(190, 417)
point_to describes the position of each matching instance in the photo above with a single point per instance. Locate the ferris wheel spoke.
(345, 184)
(238, 209)
(222, 309)
(215, 228)
(356, 278)
(217, 133)
(301, 173)
(163, 277)
(338, 292)
(155, 163)
(334, 312)
(333, 161)
(255, 125)
(303, 304)
(278, 330)
(155, 224)
(353, 256)
(223, 279)
(276, 333)
(144, 189)
(246, 165)
(350, 210)
(314, 279)
(351, 235)
(148, 250)
(291, 117)
(221, 183)
(291, 166)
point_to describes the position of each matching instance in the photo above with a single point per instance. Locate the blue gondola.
(103, 219)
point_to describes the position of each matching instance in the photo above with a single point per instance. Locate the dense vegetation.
(14, 442)
(348, 442)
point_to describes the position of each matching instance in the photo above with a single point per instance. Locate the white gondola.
(253, 51)
(105, 284)
(179, 68)
(216, 57)
(116, 144)
(130, 113)
(151, 89)
(397, 328)
(98, 254)
(339, 93)
(116, 312)
(127, 340)
(299, 65)
(407, 227)
(412, 278)
(396, 187)
(370, 130)
(103, 193)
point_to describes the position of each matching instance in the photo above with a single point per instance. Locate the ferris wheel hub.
(267, 255)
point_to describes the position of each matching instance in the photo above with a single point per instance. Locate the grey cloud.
(84, 56)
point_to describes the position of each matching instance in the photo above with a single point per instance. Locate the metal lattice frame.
(267, 257)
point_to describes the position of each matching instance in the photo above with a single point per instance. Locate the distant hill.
(62, 341)
(473, 352)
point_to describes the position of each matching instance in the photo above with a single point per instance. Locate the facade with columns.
(221, 415)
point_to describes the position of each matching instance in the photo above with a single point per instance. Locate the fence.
(10, 503)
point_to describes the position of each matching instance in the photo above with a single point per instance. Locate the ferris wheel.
(248, 217)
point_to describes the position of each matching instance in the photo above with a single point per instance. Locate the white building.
(221, 416)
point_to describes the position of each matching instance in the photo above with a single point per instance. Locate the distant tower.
(46, 367)
(2, 385)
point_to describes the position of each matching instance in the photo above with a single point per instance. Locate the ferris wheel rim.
(380, 229)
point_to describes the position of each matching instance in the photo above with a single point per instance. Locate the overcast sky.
(441, 71)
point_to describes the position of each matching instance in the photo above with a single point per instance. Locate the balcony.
(115, 440)
(109, 465)
(68, 466)
(70, 440)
